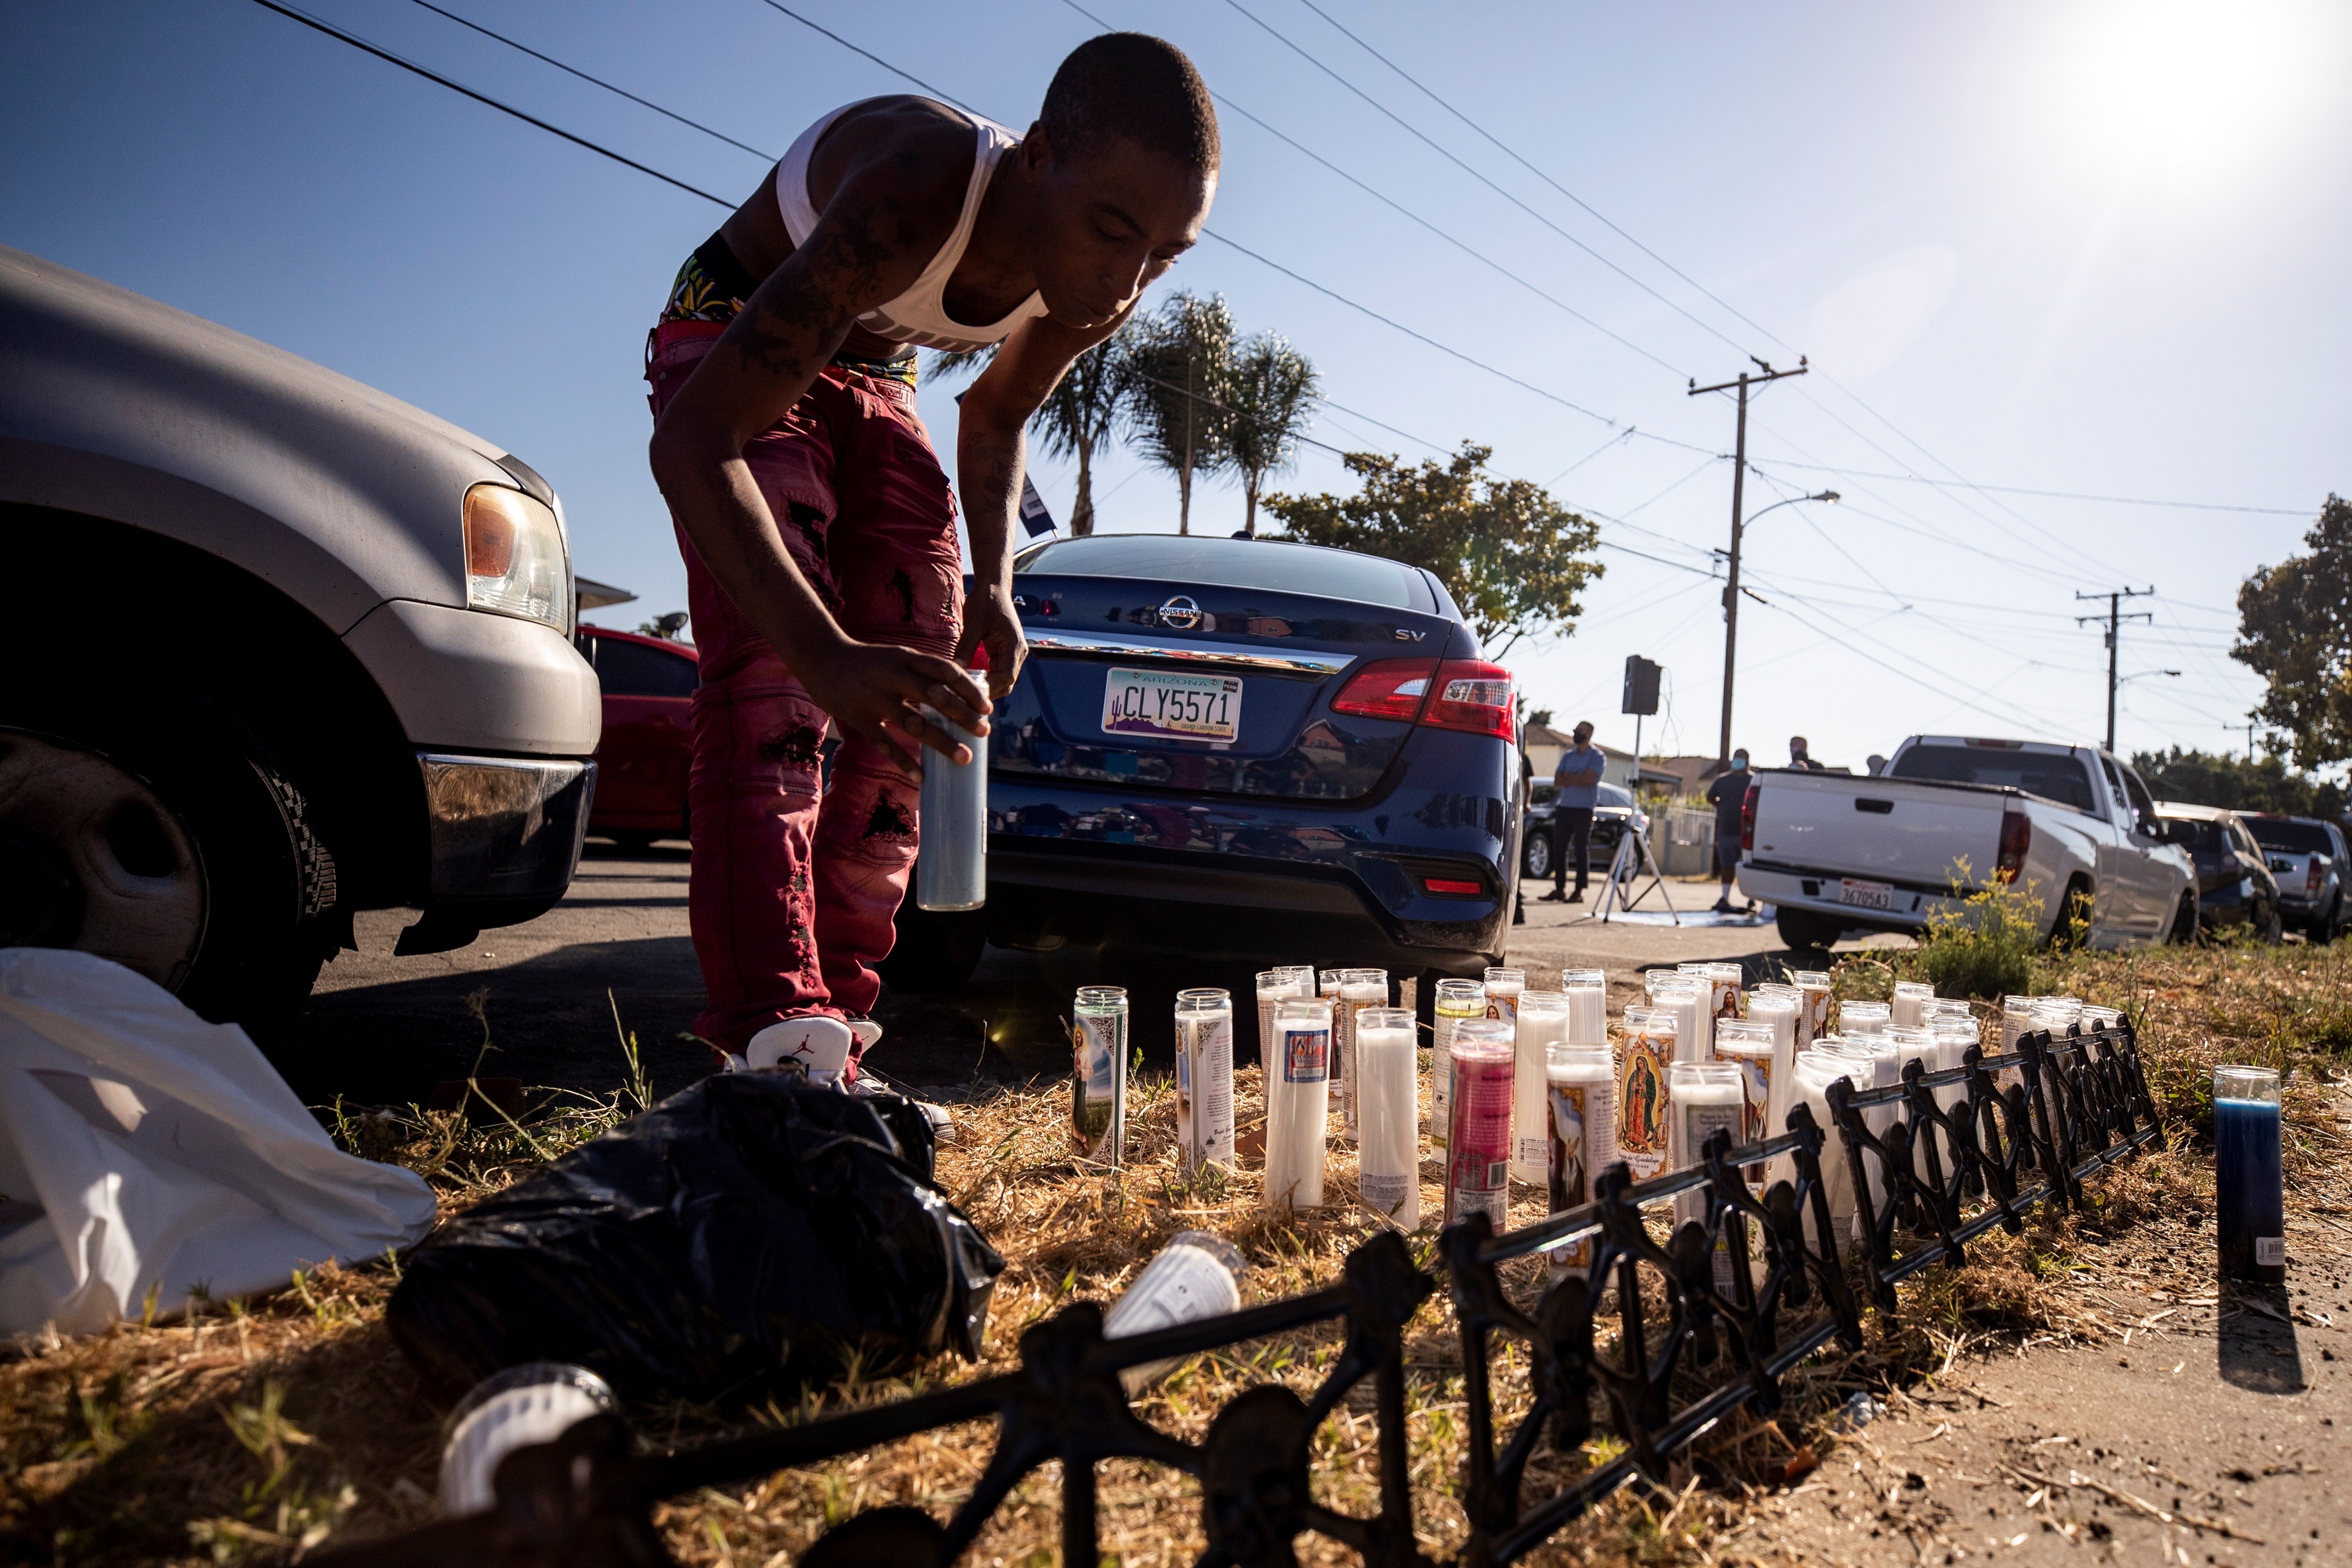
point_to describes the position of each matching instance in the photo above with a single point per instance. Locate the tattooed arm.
(889, 213)
(990, 454)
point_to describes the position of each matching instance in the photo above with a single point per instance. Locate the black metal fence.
(1707, 1320)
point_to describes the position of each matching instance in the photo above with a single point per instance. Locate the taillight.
(2311, 878)
(1473, 697)
(1387, 688)
(1747, 816)
(2016, 837)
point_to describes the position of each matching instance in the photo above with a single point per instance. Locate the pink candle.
(1478, 1149)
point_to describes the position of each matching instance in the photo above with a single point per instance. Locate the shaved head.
(1131, 87)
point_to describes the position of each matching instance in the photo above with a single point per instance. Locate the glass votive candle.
(2249, 1195)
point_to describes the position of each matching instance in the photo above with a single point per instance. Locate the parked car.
(2308, 858)
(1243, 749)
(279, 648)
(648, 746)
(1837, 852)
(1614, 809)
(2234, 884)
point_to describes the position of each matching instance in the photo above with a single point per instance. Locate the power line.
(2052, 494)
(408, 64)
(608, 87)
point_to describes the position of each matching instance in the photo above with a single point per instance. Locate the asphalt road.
(381, 1029)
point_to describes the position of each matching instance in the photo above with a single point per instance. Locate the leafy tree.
(1269, 397)
(1512, 557)
(1078, 418)
(2211, 779)
(1177, 366)
(2296, 632)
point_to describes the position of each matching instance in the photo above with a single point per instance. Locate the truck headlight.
(515, 561)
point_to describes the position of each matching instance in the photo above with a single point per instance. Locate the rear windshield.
(2053, 777)
(1236, 563)
(2294, 837)
(2200, 835)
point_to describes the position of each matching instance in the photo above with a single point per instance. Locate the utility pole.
(1738, 481)
(2114, 619)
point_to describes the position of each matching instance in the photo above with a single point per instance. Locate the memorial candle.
(1910, 1003)
(1543, 1024)
(1205, 1080)
(1684, 995)
(1588, 1006)
(1099, 1021)
(1747, 1045)
(1388, 1113)
(1813, 1021)
(1298, 1091)
(1709, 1097)
(1458, 1002)
(1857, 1019)
(1580, 1136)
(1359, 989)
(1273, 986)
(1642, 1088)
(2248, 1196)
(1478, 1151)
(1327, 985)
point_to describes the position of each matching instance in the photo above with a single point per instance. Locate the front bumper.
(503, 834)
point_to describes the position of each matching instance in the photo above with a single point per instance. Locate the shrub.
(1986, 947)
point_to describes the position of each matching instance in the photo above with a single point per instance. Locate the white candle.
(1298, 1090)
(1504, 988)
(1709, 1097)
(1813, 1022)
(1588, 1006)
(1953, 1038)
(1747, 1045)
(1273, 986)
(1642, 1088)
(2016, 1018)
(1683, 995)
(1327, 985)
(1456, 1001)
(1543, 1024)
(1858, 1018)
(1205, 1080)
(1581, 1135)
(1388, 1154)
(1359, 989)
(1814, 1072)
(1910, 1004)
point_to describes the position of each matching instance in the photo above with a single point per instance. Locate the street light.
(1731, 603)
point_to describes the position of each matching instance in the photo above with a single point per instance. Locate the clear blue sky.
(2066, 246)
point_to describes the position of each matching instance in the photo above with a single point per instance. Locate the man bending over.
(816, 523)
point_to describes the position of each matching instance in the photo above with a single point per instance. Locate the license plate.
(1861, 895)
(1171, 705)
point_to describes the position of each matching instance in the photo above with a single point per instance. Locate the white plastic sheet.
(142, 1148)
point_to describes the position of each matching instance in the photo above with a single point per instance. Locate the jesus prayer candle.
(1542, 1023)
(1581, 1135)
(1458, 1002)
(1588, 1006)
(1478, 1151)
(1387, 1114)
(1641, 1089)
(1298, 1088)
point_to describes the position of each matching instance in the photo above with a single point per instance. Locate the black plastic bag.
(744, 1237)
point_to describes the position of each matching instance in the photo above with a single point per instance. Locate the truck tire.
(2074, 906)
(2184, 921)
(936, 951)
(159, 834)
(1805, 931)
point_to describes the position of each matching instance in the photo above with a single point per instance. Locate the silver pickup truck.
(1834, 853)
(278, 647)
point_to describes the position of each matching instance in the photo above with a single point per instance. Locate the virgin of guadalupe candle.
(1747, 1045)
(1588, 1006)
(1543, 1024)
(1709, 1098)
(1273, 987)
(1813, 1022)
(1684, 995)
(1642, 1088)
(1205, 1080)
(1388, 1113)
(1298, 1089)
(2248, 1196)
(1581, 1135)
(1359, 989)
(1855, 1018)
(1098, 1074)
(1458, 1002)
(1478, 1151)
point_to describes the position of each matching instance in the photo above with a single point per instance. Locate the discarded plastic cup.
(536, 1402)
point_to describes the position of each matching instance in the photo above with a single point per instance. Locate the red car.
(641, 763)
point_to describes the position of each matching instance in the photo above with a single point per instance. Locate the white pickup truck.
(1834, 853)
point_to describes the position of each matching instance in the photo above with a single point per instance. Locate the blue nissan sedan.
(1246, 749)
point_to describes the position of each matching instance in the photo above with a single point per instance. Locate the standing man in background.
(1577, 783)
(1800, 756)
(1728, 796)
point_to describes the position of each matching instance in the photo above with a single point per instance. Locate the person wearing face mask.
(1802, 757)
(817, 526)
(1727, 795)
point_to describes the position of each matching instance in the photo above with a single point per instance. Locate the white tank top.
(919, 315)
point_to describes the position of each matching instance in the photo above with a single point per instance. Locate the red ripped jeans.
(795, 884)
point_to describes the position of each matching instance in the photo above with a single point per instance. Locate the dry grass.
(248, 1429)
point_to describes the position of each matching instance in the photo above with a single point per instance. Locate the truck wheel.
(2074, 922)
(162, 838)
(1805, 931)
(2270, 927)
(936, 951)
(2184, 921)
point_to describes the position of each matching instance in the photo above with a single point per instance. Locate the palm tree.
(1176, 366)
(1080, 415)
(1270, 396)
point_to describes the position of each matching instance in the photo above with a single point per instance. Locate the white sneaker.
(942, 1122)
(866, 1030)
(818, 1043)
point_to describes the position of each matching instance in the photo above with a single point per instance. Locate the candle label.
(1305, 1054)
(1756, 1074)
(1506, 1008)
(1205, 1093)
(1642, 1103)
(1094, 1121)
(1388, 1194)
(1478, 1158)
(1814, 1017)
(1440, 1073)
(1343, 1063)
(1701, 1122)
(1726, 999)
(1574, 1108)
